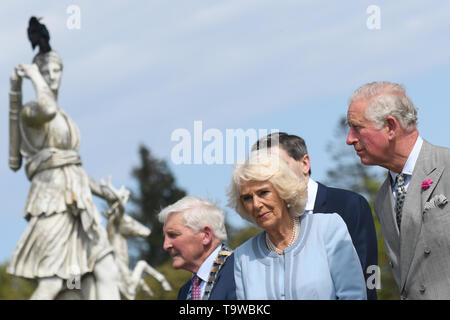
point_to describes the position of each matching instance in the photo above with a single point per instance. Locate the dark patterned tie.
(195, 288)
(401, 195)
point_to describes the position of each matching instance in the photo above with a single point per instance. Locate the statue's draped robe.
(64, 237)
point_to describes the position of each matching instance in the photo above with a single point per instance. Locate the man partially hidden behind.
(195, 235)
(412, 203)
(352, 207)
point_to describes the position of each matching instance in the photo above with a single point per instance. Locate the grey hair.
(387, 99)
(197, 214)
(266, 166)
(42, 58)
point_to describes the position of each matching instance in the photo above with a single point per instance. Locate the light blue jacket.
(321, 264)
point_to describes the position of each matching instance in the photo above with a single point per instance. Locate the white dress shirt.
(408, 168)
(205, 269)
(312, 193)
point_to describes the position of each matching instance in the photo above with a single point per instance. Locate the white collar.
(205, 269)
(412, 159)
(312, 193)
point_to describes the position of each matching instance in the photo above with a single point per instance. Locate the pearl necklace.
(295, 233)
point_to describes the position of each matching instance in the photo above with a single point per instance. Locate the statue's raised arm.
(46, 86)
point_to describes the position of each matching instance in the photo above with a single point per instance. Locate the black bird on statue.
(38, 35)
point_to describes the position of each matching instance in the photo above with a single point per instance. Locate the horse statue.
(120, 227)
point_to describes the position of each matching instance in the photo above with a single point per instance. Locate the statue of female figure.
(64, 235)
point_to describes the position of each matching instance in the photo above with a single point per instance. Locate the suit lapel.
(321, 197)
(185, 290)
(411, 224)
(384, 208)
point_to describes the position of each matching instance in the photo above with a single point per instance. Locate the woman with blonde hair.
(297, 256)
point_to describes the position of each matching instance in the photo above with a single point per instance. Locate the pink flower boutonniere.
(426, 184)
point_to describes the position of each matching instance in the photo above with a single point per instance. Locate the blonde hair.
(266, 166)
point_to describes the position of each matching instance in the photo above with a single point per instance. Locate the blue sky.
(135, 73)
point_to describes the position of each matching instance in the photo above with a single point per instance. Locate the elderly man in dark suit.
(195, 235)
(352, 207)
(412, 203)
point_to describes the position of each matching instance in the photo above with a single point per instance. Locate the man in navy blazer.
(352, 207)
(195, 235)
(225, 287)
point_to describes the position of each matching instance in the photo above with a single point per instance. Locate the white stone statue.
(64, 231)
(64, 241)
(121, 226)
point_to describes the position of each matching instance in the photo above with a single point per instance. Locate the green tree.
(156, 190)
(349, 173)
(239, 236)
